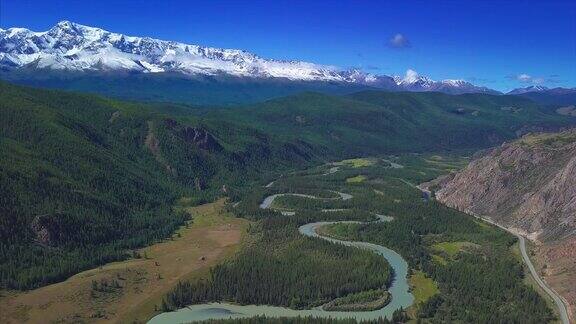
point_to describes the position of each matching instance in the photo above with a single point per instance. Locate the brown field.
(214, 236)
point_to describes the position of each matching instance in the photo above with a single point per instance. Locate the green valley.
(417, 228)
(87, 180)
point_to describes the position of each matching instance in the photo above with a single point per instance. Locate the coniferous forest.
(481, 283)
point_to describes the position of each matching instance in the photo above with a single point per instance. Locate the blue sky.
(499, 44)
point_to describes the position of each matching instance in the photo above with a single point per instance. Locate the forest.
(481, 282)
(287, 269)
(85, 180)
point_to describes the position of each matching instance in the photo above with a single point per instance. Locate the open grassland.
(339, 231)
(357, 163)
(451, 249)
(439, 260)
(446, 163)
(549, 139)
(422, 287)
(356, 179)
(131, 290)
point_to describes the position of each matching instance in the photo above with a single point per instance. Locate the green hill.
(377, 121)
(84, 179)
(552, 97)
(173, 87)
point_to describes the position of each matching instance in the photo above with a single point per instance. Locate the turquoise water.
(399, 290)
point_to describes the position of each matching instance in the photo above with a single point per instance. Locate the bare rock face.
(529, 184)
(153, 145)
(557, 262)
(49, 229)
(198, 136)
(43, 235)
(201, 138)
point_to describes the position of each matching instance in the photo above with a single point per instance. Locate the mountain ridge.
(539, 88)
(547, 96)
(70, 46)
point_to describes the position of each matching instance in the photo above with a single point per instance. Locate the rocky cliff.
(529, 185)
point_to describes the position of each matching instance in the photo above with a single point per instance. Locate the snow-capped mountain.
(73, 47)
(532, 88)
(412, 81)
(548, 96)
(70, 46)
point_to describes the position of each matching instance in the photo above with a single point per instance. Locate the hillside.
(554, 97)
(377, 121)
(85, 179)
(529, 186)
(218, 90)
(539, 168)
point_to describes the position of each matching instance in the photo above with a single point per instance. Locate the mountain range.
(73, 47)
(547, 96)
(542, 89)
(76, 57)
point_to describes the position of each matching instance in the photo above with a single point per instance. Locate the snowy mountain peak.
(69, 46)
(532, 88)
(75, 47)
(456, 83)
(413, 80)
(66, 24)
(412, 77)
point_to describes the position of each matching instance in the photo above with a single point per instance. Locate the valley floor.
(130, 291)
(456, 264)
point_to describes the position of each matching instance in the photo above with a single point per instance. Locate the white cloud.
(411, 75)
(524, 78)
(399, 41)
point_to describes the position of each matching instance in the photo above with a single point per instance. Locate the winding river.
(399, 289)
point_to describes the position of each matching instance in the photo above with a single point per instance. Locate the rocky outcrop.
(41, 230)
(153, 144)
(529, 184)
(198, 136)
(201, 138)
